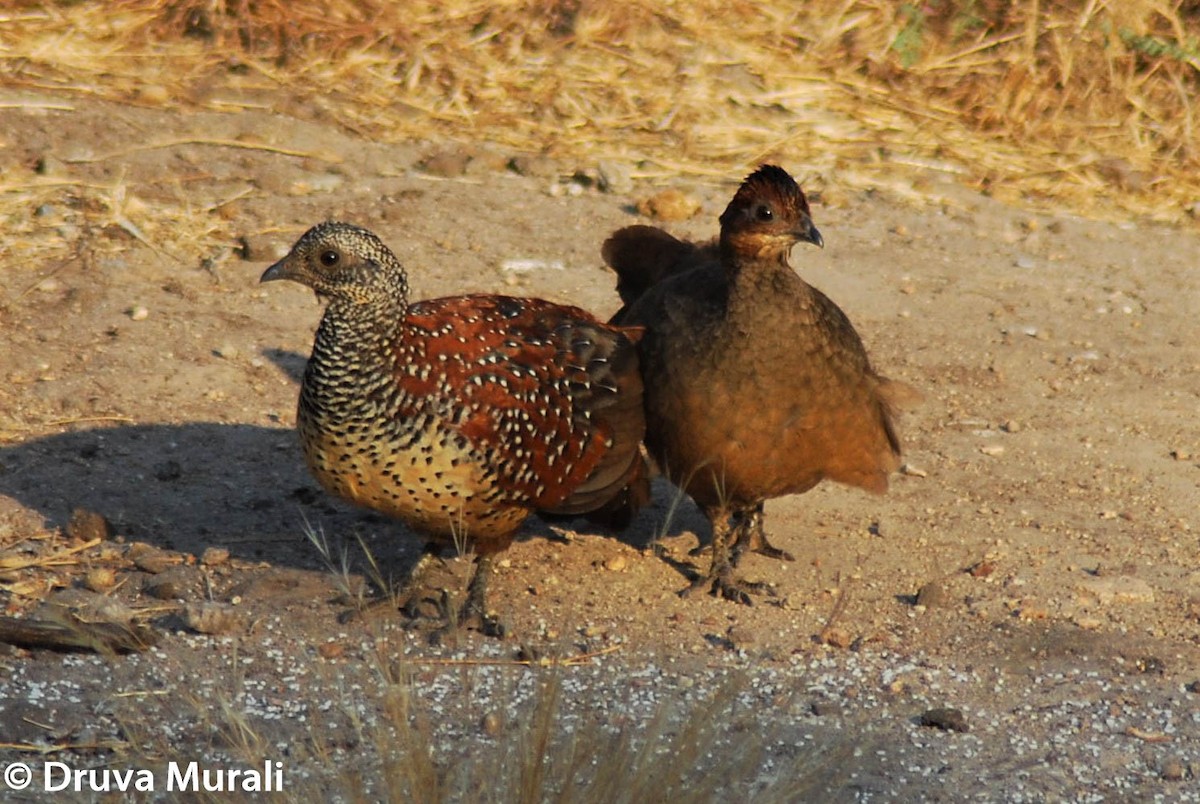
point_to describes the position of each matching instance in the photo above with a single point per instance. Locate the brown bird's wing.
(643, 256)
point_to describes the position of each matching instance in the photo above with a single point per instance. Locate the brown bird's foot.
(724, 584)
(720, 580)
(474, 612)
(752, 537)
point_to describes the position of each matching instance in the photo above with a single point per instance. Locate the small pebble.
(168, 471)
(913, 471)
(613, 176)
(992, 449)
(615, 564)
(446, 164)
(491, 724)
(155, 562)
(1173, 770)
(154, 93)
(826, 709)
(1194, 687)
(164, 590)
(214, 556)
(933, 595)
(837, 637)
(945, 718)
(331, 650)
(1024, 263)
(227, 351)
(86, 526)
(139, 313)
(669, 205)
(1011, 426)
(1181, 455)
(100, 579)
(212, 618)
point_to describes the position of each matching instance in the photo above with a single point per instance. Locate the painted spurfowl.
(461, 416)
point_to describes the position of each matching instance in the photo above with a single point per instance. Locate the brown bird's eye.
(763, 212)
(330, 258)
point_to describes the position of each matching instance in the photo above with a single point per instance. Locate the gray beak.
(277, 271)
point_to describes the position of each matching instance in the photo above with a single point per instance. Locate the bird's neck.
(760, 284)
(356, 339)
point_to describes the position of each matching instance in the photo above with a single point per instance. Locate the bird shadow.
(290, 363)
(182, 487)
(191, 486)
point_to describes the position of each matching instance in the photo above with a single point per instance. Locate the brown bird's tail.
(895, 397)
(643, 256)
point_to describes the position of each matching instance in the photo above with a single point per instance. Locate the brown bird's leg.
(474, 612)
(752, 538)
(720, 580)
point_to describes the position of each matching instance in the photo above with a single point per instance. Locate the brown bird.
(460, 416)
(756, 384)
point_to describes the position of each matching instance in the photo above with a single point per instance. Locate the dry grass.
(1086, 105)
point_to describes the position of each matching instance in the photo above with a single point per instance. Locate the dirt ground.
(1036, 565)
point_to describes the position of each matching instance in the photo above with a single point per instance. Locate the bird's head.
(767, 216)
(343, 261)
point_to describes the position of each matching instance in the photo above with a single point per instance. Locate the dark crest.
(769, 202)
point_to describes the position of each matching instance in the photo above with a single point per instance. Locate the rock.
(212, 618)
(613, 176)
(164, 590)
(214, 556)
(491, 724)
(945, 718)
(331, 650)
(532, 165)
(826, 709)
(837, 637)
(1173, 770)
(448, 164)
(669, 205)
(1112, 589)
(100, 579)
(168, 471)
(86, 526)
(933, 595)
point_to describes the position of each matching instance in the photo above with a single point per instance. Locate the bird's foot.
(474, 613)
(470, 617)
(724, 584)
(750, 536)
(754, 541)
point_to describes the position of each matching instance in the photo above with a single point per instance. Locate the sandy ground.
(1036, 566)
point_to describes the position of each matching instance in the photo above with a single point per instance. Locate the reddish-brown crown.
(767, 216)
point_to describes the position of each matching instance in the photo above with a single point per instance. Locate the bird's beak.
(277, 271)
(810, 234)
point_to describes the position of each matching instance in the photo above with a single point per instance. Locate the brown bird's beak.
(810, 234)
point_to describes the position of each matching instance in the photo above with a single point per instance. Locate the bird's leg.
(752, 537)
(720, 580)
(407, 599)
(474, 612)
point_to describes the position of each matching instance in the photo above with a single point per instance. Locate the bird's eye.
(330, 258)
(764, 213)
